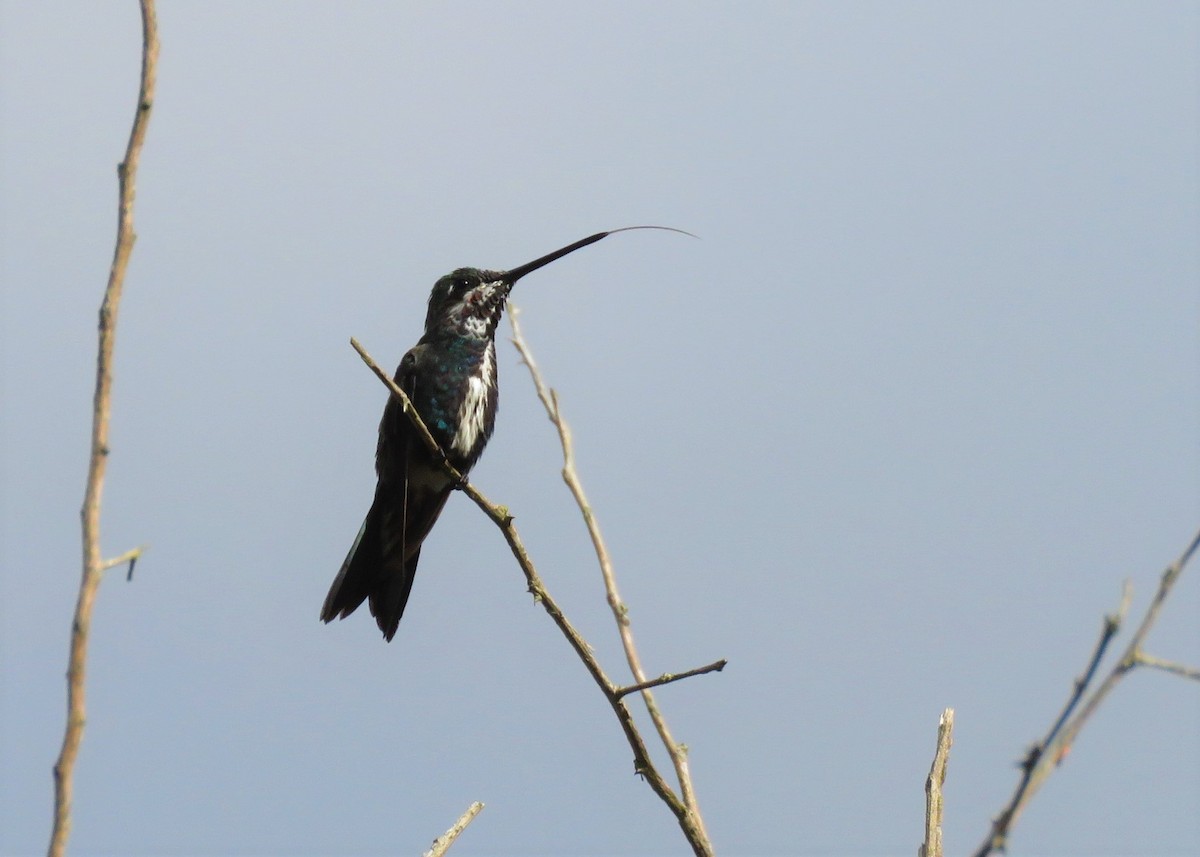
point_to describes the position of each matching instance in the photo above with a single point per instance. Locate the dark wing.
(380, 564)
(396, 432)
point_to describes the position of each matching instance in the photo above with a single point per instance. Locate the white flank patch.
(472, 414)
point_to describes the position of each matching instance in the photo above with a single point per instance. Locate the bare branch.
(642, 764)
(130, 556)
(932, 846)
(620, 611)
(442, 844)
(1044, 756)
(667, 678)
(93, 564)
(1033, 772)
(1145, 660)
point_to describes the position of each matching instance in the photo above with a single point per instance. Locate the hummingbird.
(450, 377)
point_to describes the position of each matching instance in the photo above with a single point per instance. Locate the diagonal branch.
(93, 562)
(1033, 772)
(1043, 757)
(410, 411)
(442, 844)
(642, 763)
(620, 611)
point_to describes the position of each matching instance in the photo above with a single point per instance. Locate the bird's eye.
(459, 285)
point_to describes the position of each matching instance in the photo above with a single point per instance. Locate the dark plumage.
(450, 375)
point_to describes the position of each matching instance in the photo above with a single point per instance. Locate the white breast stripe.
(472, 414)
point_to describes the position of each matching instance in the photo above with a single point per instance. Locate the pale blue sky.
(888, 438)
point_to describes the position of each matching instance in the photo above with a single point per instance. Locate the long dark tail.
(367, 574)
(388, 598)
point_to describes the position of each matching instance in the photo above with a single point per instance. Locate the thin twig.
(1112, 625)
(93, 563)
(932, 846)
(620, 611)
(1046, 755)
(442, 844)
(1033, 772)
(668, 678)
(1145, 660)
(130, 556)
(642, 764)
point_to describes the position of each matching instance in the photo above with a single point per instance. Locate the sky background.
(889, 437)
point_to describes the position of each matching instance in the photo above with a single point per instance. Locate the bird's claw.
(461, 482)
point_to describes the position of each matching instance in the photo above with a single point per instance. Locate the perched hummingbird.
(450, 376)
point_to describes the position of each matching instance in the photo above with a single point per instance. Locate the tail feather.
(390, 595)
(354, 579)
(375, 569)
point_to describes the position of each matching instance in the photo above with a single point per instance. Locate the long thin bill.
(517, 273)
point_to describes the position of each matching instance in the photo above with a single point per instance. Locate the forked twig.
(620, 611)
(1044, 756)
(93, 561)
